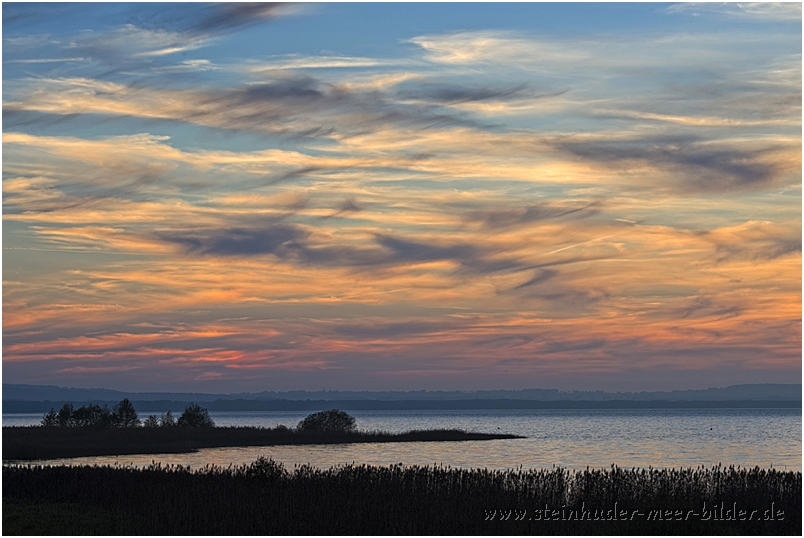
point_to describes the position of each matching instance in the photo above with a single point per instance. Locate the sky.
(245, 197)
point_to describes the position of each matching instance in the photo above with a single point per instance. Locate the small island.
(97, 431)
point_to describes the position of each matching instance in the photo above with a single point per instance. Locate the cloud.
(454, 94)
(385, 330)
(501, 218)
(755, 240)
(295, 244)
(159, 30)
(276, 239)
(490, 47)
(758, 11)
(695, 164)
(229, 16)
(707, 307)
(129, 43)
(295, 105)
(541, 276)
(296, 61)
(349, 205)
(47, 60)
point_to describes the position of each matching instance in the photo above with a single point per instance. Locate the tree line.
(123, 415)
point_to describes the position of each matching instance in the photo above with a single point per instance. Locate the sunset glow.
(230, 197)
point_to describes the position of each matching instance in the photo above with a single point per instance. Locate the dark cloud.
(295, 244)
(506, 341)
(295, 105)
(391, 330)
(564, 347)
(414, 251)
(205, 18)
(701, 165)
(147, 35)
(507, 217)
(349, 205)
(301, 88)
(768, 249)
(302, 106)
(293, 174)
(227, 16)
(541, 276)
(754, 241)
(277, 239)
(454, 94)
(470, 258)
(708, 307)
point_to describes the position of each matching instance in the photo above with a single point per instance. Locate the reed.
(265, 498)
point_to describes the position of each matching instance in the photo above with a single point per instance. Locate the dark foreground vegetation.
(37, 443)
(264, 498)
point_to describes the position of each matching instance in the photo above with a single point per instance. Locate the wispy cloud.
(760, 11)
(131, 42)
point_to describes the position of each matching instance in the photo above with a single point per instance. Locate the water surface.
(573, 439)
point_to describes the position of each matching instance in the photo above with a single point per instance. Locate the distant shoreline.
(151, 406)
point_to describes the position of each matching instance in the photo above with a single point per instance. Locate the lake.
(571, 439)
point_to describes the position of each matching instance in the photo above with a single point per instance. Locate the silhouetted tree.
(333, 420)
(124, 414)
(92, 415)
(50, 418)
(167, 419)
(195, 416)
(151, 422)
(65, 415)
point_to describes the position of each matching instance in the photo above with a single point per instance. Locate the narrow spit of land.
(39, 443)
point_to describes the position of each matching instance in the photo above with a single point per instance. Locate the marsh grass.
(265, 498)
(42, 518)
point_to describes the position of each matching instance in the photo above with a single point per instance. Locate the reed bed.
(265, 498)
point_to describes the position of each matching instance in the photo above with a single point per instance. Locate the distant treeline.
(264, 498)
(122, 415)
(755, 391)
(15, 406)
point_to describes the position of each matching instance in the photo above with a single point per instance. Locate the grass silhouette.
(264, 498)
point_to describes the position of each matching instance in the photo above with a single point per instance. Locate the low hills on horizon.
(20, 398)
(754, 391)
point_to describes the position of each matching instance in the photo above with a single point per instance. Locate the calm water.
(572, 439)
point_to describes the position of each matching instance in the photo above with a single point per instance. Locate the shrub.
(195, 416)
(333, 420)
